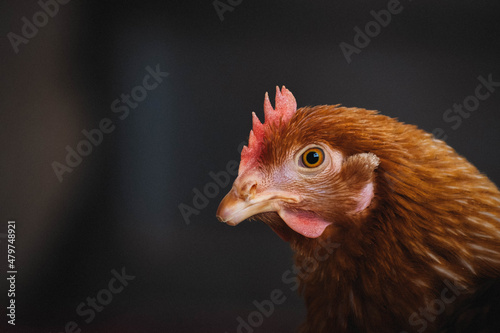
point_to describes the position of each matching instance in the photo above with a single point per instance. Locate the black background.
(120, 206)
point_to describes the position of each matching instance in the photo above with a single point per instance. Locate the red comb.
(286, 105)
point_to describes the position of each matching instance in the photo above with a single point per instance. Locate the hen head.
(302, 171)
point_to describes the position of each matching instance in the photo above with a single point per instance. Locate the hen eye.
(313, 157)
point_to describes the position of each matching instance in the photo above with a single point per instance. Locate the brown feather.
(434, 218)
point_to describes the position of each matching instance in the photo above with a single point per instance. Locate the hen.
(415, 227)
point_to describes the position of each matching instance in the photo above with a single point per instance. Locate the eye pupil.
(312, 157)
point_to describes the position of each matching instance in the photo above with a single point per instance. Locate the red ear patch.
(286, 105)
(365, 197)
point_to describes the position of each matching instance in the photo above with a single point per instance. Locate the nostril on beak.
(253, 189)
(248, 190)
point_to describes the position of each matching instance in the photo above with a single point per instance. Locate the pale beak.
(245, 200)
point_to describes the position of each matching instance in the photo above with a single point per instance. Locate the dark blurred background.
(118, 208)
